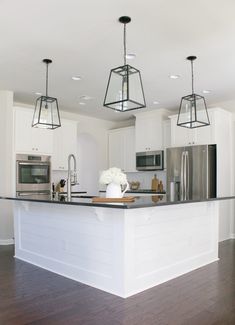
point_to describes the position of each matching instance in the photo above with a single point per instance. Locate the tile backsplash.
(145, 178)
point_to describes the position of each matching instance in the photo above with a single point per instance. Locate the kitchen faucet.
(72, 176)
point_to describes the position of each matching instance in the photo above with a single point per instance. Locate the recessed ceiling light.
(174, 76)
(130, 56)
(37, 93)
(155, 102)
(206, 91)
(81, 103)
(85, 97)
(76, 78)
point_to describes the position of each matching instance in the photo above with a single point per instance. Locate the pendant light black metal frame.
(193, 100)
(127, 102)
(47, 104)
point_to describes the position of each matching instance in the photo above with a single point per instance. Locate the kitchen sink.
(82, 196)
(76, 196)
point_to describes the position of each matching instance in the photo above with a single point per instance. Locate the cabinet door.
(23, 138)
(29, 139)
(180, 136)
(64, 144)
(205, 135)
(116, 150)
(122, 149)
(148, 134)
(42, 140)
(129, 149)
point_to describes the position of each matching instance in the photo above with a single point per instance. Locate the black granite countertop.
(85, 200)
(141, 191)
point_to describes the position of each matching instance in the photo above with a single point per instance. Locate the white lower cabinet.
(121, 144)
(64, 143)
(28, 139)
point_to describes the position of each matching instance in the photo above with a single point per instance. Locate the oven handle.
(32, 193)
(34, 163)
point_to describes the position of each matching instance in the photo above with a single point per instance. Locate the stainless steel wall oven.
(33, 174)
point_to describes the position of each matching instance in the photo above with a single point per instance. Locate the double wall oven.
(33, 174)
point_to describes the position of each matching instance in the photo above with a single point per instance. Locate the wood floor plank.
(30, 295)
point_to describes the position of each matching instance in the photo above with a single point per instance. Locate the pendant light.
(124, 90)
(46, 113)
(193, 111)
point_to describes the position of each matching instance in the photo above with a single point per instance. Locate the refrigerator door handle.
(187, 175)
(182, 176)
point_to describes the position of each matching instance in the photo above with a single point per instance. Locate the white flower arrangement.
(114, 175)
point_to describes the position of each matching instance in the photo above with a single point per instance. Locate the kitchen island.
(119, 248)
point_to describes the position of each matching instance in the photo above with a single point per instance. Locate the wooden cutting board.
(125, 199)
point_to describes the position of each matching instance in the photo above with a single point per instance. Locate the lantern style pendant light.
(46, 113)
(193, 111)
(124, 90)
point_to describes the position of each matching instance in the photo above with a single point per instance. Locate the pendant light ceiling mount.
(193, 110)
(124, 91)
(47, 61)
(46, 113)
(191, 58)
(125, 19)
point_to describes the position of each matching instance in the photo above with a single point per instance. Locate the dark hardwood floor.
(30, 295)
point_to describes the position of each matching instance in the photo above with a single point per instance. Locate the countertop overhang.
(140, 202)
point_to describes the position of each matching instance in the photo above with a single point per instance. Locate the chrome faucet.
(72, 175)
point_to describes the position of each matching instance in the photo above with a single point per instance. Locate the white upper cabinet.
(29, 139)
(181, 136)
(64, 144)
(122, 148)
(149, 130)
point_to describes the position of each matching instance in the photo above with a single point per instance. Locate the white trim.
(7, 241)
(232, 236)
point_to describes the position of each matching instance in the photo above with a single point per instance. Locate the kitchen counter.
(86, 200)
(119, 248)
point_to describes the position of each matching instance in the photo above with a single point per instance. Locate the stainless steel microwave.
(150, 160)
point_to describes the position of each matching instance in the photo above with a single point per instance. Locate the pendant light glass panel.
(193, 112)
(124, 91)
(46, 114)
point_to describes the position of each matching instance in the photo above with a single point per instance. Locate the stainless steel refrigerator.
(191, 172)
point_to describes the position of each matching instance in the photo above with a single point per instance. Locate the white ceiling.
(84, 37)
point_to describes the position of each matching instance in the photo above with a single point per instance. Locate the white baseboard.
(7, 241)
(232, 236)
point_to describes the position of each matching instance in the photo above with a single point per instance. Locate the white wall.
(227, 228)
(6, 165)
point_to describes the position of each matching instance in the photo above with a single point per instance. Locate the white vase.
(114, 190)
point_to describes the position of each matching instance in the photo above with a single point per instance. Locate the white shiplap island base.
(121, 251)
